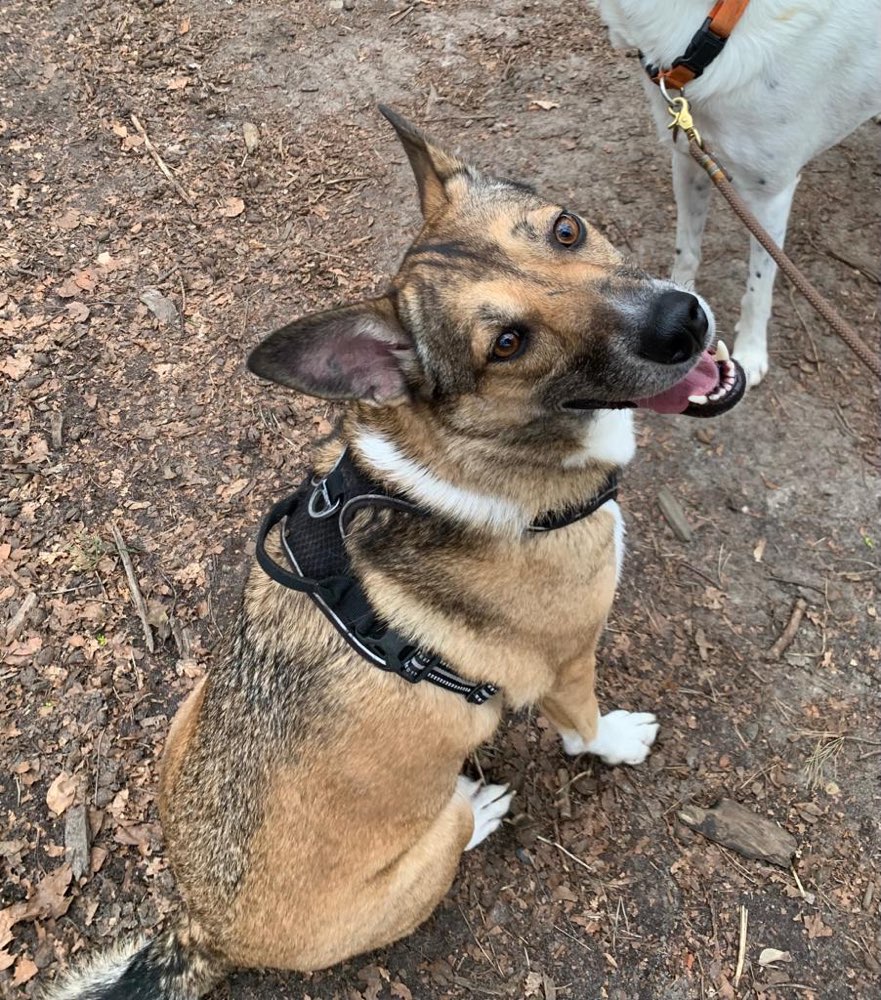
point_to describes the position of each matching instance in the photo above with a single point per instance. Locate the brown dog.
(312, 804)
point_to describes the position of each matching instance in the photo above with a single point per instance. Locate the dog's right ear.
(432, 166)
(356, 352)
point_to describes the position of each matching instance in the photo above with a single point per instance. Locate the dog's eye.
(568, 231)
(508, 344)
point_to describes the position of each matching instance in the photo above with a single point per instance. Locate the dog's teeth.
(722, 351)
(697, 400)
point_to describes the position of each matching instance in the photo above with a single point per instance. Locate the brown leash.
(679, 108)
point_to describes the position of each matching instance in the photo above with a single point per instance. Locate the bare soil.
(114, 416)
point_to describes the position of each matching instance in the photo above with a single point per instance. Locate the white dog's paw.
(621, 738)
(489, 805)
(753, 361)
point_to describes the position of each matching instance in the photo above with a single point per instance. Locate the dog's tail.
(172, 966)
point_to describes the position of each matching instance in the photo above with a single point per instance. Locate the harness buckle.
(703, 48)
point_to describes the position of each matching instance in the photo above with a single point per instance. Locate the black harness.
(315, 521)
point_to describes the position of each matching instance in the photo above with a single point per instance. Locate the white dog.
(794, 77)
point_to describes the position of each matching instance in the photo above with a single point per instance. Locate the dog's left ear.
(356, 352)
(432, 166)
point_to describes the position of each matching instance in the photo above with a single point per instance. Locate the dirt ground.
(126, 309)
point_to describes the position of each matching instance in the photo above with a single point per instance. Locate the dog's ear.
(432, 166)
(356, 352)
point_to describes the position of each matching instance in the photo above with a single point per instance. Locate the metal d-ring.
(670, 100)
(321, 494)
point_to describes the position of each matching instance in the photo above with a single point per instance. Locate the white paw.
(621, 738)
(753, 360)
(489, 804)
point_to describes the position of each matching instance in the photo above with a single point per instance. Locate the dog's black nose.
(675, 329)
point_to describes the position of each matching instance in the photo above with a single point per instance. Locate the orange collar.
(704, 46)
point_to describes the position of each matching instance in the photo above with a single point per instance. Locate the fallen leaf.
(184, 25)
(232, 207)
(232, 489)
(177, 83)
(69, 221)
(534, 983)
(544, 105)
(401, 991)
(48, 900)
(815, 927)
(16, 367)
(25, 969)
(759, 550)
(78, 312)
(61, 793)
(162, 307)
(769, 955)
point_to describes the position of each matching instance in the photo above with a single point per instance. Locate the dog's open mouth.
(713, 386)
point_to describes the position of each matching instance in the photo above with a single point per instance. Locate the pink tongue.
(700, 381)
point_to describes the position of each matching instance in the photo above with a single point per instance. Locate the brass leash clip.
(681, 112)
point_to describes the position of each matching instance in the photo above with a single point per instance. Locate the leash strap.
(682, 121)
(705, 45)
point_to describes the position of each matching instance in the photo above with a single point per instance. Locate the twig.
(166, 172)
(27, 605)
(674, 515)
(855, 264)
(741, 951)
(799, 886)
(137, 596)
(788, 634)
(569, 854)
(399, 15)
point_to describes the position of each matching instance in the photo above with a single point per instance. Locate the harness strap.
(550, 522)
(314, 524)
(705, 45)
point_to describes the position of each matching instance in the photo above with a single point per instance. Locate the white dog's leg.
(621, 738)
(751, 344)
(692, 188)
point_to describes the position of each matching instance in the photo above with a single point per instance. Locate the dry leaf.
(815, 927)
(61, 793)
(69, 221)
(49, 900)
(534, 983)
(229, 490)
(184, 25)
(177, 83)
(544, 105)
(162, 308)
(400, 991)
(16, 367)
(78, 312)
(769, 955)
(24, 970)
(759, 550)
(232, 207)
